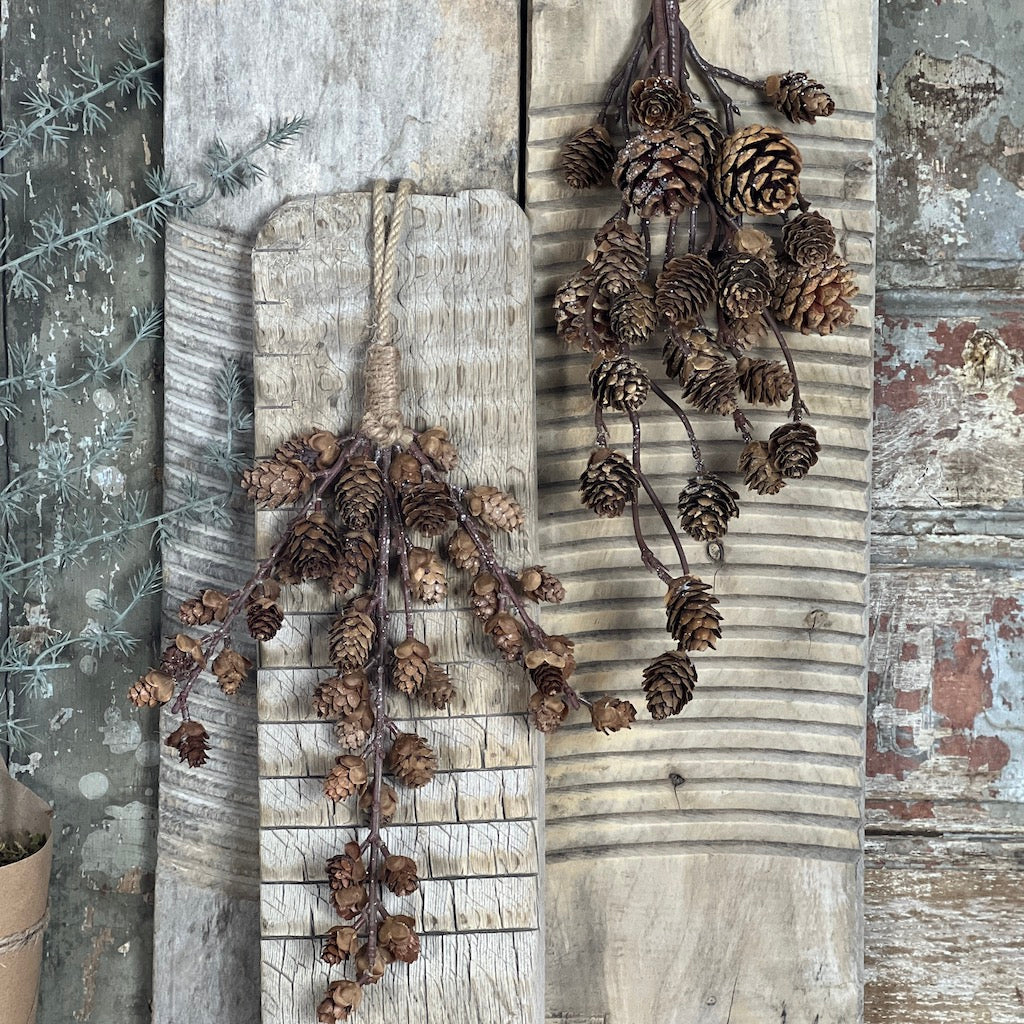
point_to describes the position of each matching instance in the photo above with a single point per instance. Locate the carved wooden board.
(463, 308)
(708, 868)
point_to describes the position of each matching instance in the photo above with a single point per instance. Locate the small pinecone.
(685, 287)
(388, 801)
(151, 689)
(202, 610)
(540, 585)
(793, 449)
(483, 596)
(231, 668)
(816, 298)
(757, 172)
(704, 134)
(359, 491)
(181, 658)
(463, 552)
(427, 508)
(405, 469)
(435, 444)
(353, 728)
(341, 943)
(190, 740)
(681, 343)
(557, 651)
(692, 619)
(313, 550)
(608, 482)
(504, 631)
(351, 635)
(399, 938)
(621, 384)
(764, 381)
(426, 574)
(609, 714)
(809, 239)
(588, 157)
(668, 682)
(798, 97)
(582, 315)
(495, 508)
(348, 776)
(345, 869)
(372, 973)
(619, 259)
(706, 504)
(744, 285)
(263, 617)
(350, 902)
(658, 102)
(633, 315)
(660, 173)
(411, 760)
(548, 679)
(711, 385)
(340, 1002)
(437, 688)
(409, 668)
(400, 875)
(547, 711)
(741, 333)
(359, 551)
(320, 449)
(755, 242)
(276, 481)
(759, 474)
(341, 695)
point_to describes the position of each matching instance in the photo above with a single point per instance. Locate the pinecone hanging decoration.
(658, 102)
(437, 446)
(669, 681)
(621, 384)
(685, 289)
(608, 483)
(539, 585)
(400, 875)
(263, 617)
(495, 508)
(547, 711)
(814, 299)
(341, 695)
(342, 1000)
(754, 242)
(793, 449)
(757, 172)
(799, 97)
(463, 552)
(660, 173)
(202, 610)
(398, 936)
(341, 943)
(346, 869)
(764, 381)
(348, 776)
(610, 714)
(437, 688)
(483, 596)
(587, 157)
(358, 553)
(706, 504)
(427, 576)
(692, 619)
(809, 239)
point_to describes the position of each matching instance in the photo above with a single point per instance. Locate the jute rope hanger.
(12, 943)
(382, 415)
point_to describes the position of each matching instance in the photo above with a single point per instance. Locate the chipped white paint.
(94, 785)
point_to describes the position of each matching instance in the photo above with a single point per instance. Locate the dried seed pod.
(619, 258)
(685, 288)
(757, 172)
(711, 385)
(633, 316)
(182, 657)
(359, 491)
(793, 449)
(744, 285)
(405, 469)
(495, 508)
(345, 869)
(814, 299)
(690, 609)
(388, 801)
(506, 634)
(621, 384)
(398, 936)
(409, 667)
(203, 609)
(540, 585)
(276, 481)
(759, 473)
(799, 97)
(427, 576)
(660, 173)
(809, 239)
(352, 634)
(263, 617)
(400, 875)
(427, 508)
(483, 596)
(434, 443)
(190, 741)
(312, 551)
(547, 711)
(608, 482)
(609, 714)
(231, 668)
(668, 682)
(411, 760)
(706, 504)
(582, 314)
(348, 776)
(349, 903)
(463, 552)
(340, 1002)
(372, 973)
(437, 688)
(341, 695)
(658, 102)
(764, 381)
(152, 689)
(587, 157)
(341, 943)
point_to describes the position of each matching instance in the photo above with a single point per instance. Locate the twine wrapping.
(382, 416)
(12, 943)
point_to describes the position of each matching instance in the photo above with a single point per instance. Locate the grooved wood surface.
(463, 310)
(727, 839)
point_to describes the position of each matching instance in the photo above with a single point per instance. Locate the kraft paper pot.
(24, 892)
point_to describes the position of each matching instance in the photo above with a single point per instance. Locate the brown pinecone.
(587, 157)
(400, 875)
(755, 242)
(319, 449)
(483, 596)
(741, 333)
(814, 298)
(231, 668)
(809, 239)
(681, 343)
(190, 740)
(660, 173)
(704, 134)
(558, 651)
(744, 285)
(372, 973)
(437, 688)
(359, 491)
(463, 552)
(658, 102)
(313, 551)
(435, 444)
(352, 634)
(759, 474)
(152, 689)
(405, 469)
(426, 575)
(582, 314)
(764, 381)
(427, 508)
(398, 936)
(619, 259)
(633, 316)
(547, 711)
(706, 504)
(349, 903)
(340, 1002)
(263, 617)
(609, 714)
(353, 728)
(342, 942)
(409, 668)
(345, 869)
(505, 633)
(621, 384)
(540, 585)
(348, 776)
(757, 172)
(341, 695)
(798, 97)
(388, 801)
(202, 610)
(411, 760)
(495, 508)
(181, 657)
(548, 679)
(668, 682)
(359, 553)
(711, 385)
(793, 449)
(276, 481)
(608, 482)
(692, 619)
(685, 287)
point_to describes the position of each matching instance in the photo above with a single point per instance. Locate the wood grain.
(463, 309)
(755, 791)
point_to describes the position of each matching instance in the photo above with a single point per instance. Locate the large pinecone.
(793, 449)
(313, 550)
(668, 682)
(810, 299)
(359, 550)
(588, 157)
(190, 741)
(809, 239)
(759, 473)
(658, 102)
(744, 285)
(633, 315)
(692, 619)
(276, 481)
(582, 314)
(621, 384)
(798, 97)
(608, 482)
(757, 172)
(359, 491)
(706, 504)
(711, 384)
(660, 173)
(411, 760)
(427, 508)
(764, 381)
(351, 635)
(685, 288)
(619, 259)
